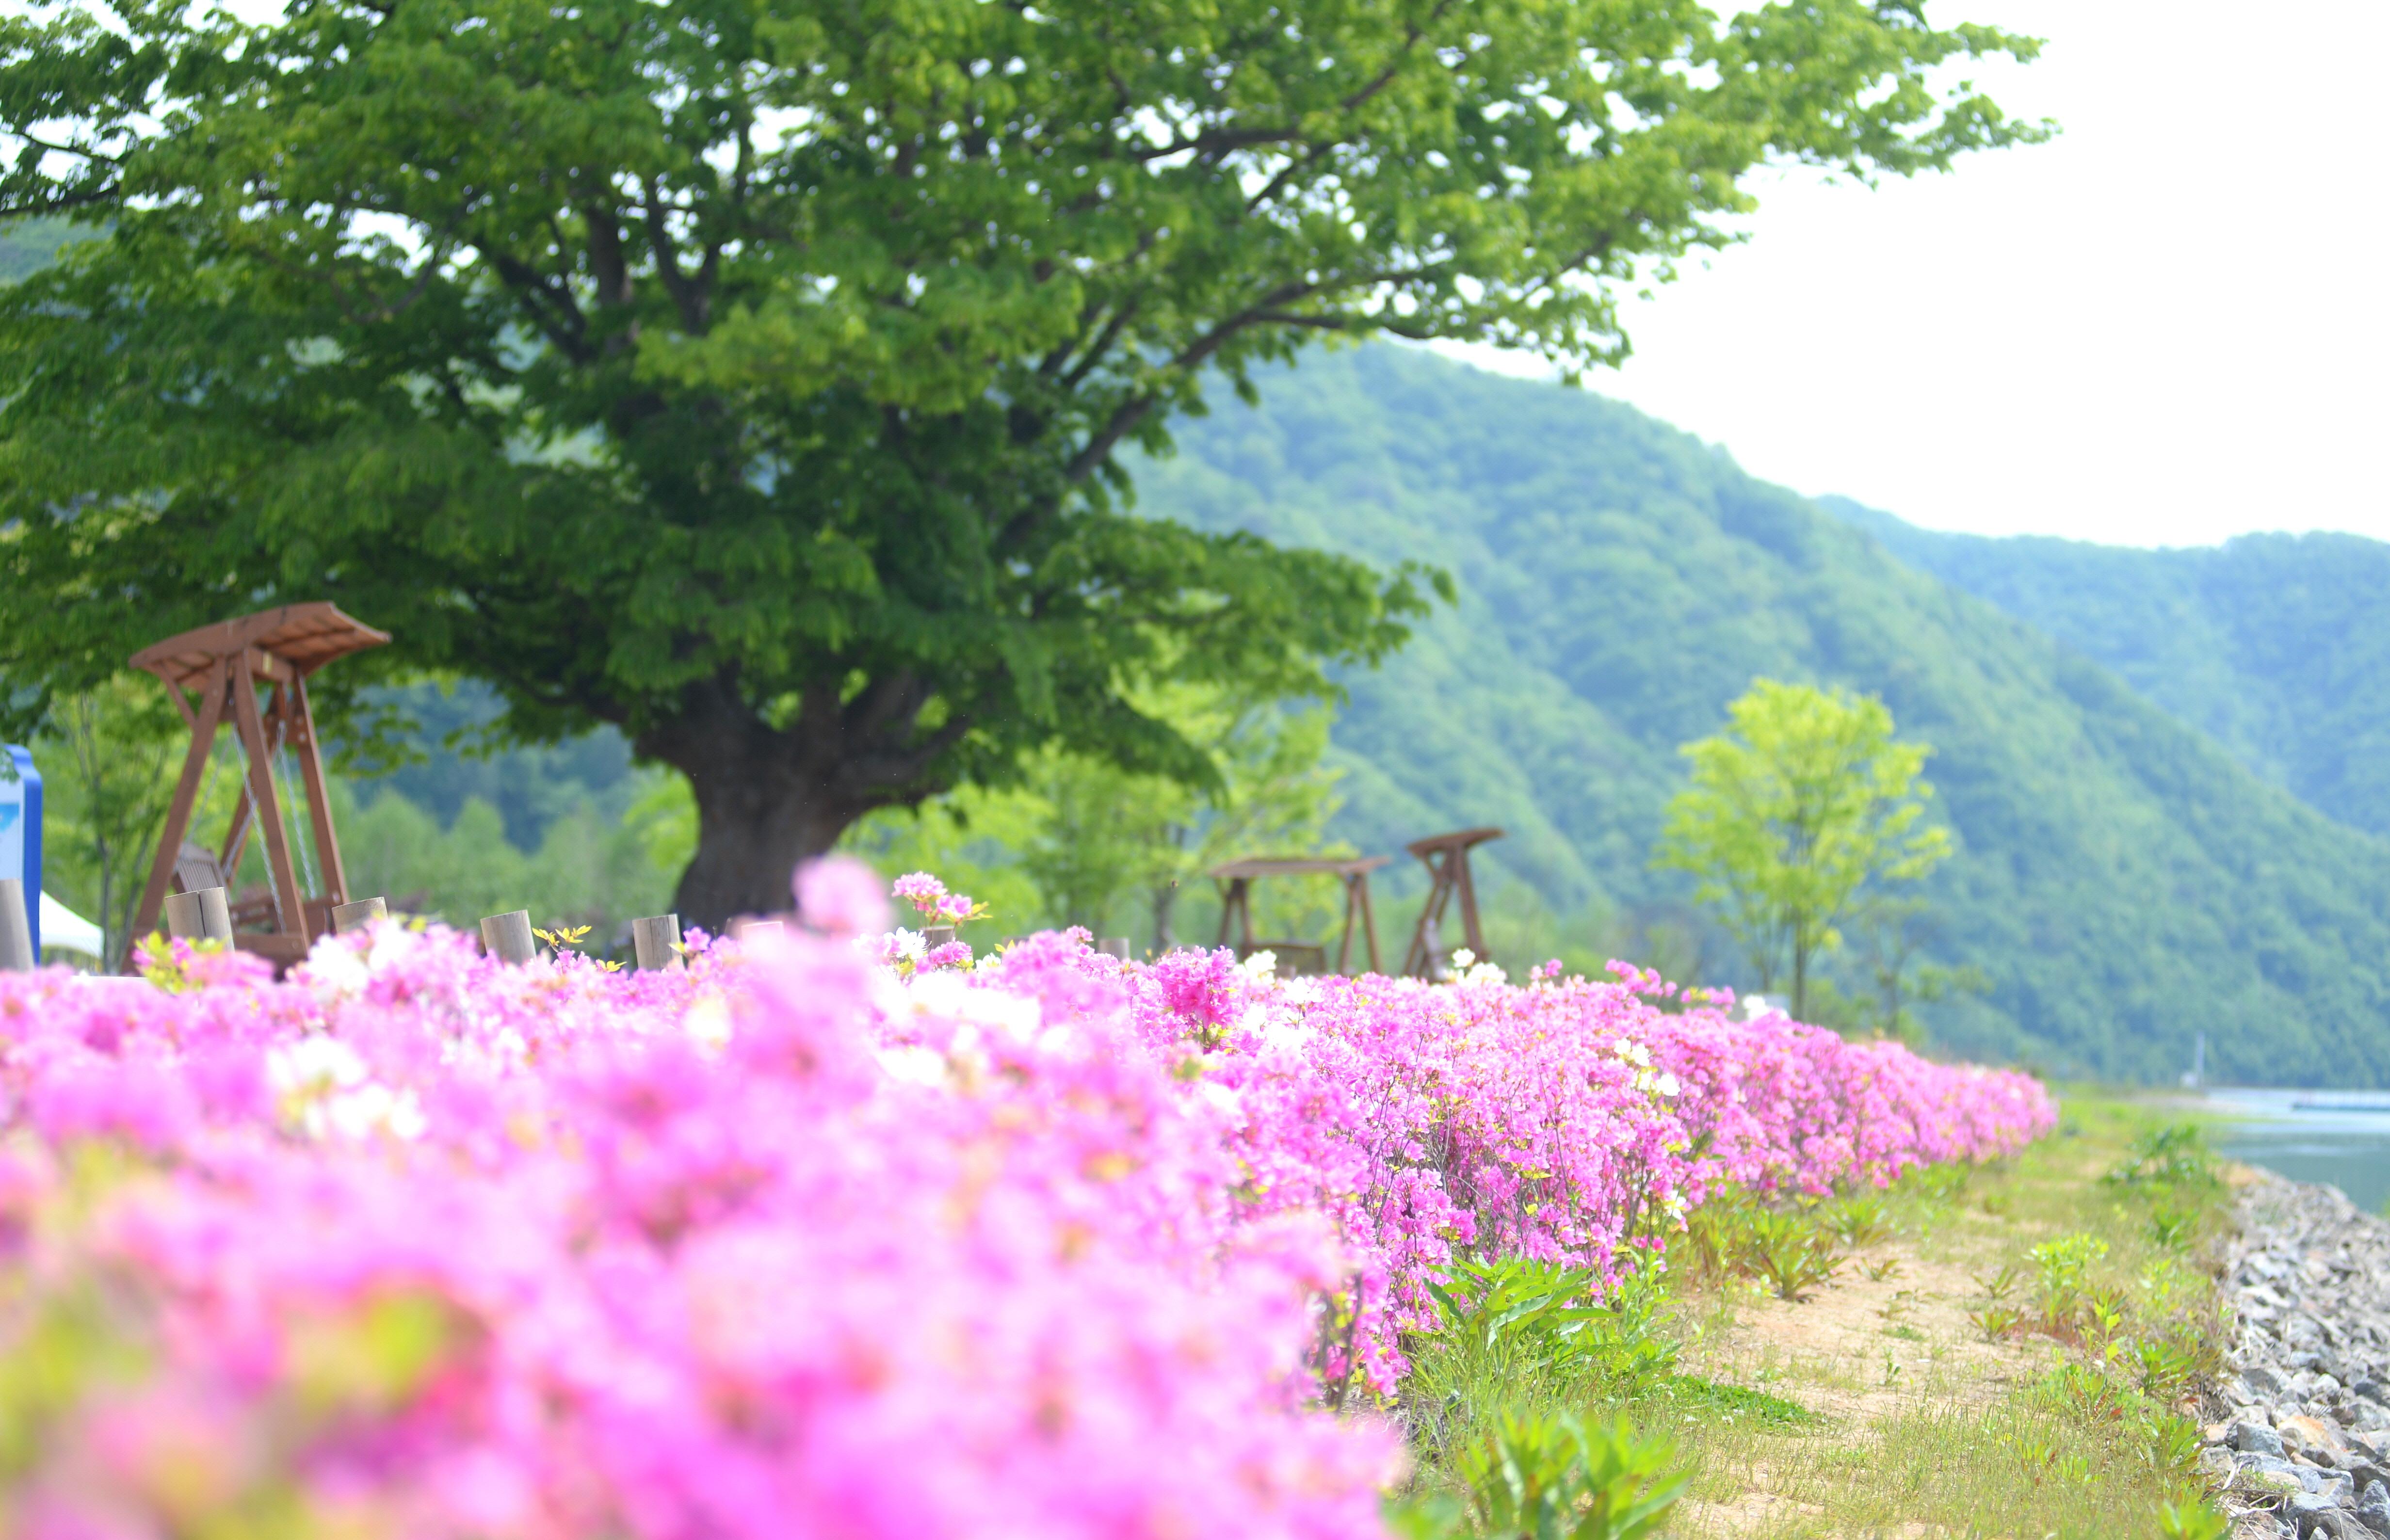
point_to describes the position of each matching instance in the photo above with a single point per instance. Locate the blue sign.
(20, 831)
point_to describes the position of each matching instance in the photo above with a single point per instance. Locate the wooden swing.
(1446, 859)
(224, 664)
(1236, 880)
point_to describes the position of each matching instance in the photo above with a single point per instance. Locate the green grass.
(2072, 1425)
(1692, 1395)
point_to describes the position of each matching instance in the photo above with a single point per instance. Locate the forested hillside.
(2123, 882)
(2277, 645)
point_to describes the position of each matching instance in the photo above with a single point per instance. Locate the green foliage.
(725, 374)
(2121, 882)
(1730, 1404)
(453, 752)
(1521, 1318)
(2194, 1521)
(1892, 935)
(2175, 1155)
(1787, 1251)
(1556, 1478)
(2062, 1306)
(588, 870)
(2169, 1366)
(109, 762)
(1790, 1251)
(1111, 838)
(1858, 1220)
(1803, 801)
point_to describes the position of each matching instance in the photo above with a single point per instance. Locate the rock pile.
(2306, 1441)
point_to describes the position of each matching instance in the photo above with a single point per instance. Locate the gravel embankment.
(2305, 1434)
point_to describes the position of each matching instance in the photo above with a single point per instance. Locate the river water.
(2342, 1137)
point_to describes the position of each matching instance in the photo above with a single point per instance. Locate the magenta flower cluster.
(1568, 1121)
(794, 1241)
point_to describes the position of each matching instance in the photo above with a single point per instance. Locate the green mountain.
(2125, 882)
(2276, 646)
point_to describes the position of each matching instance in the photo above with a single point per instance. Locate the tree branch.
(81, 151)
(1100, 346)
(112, 193)
(1217, 142)
(692, 296)
(607, 264)
(550, 306)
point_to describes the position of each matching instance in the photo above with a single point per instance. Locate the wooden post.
(507, 937)
(1446, 859)
(356, 916)
(655, 942)
(1115, 946)
(186, 793)
(202, 915)
(1368, 921)
(740, 930)
(935, 936)
(1237, 901)
(1468, 891)
(289, 903)
(301, 718)
(16, 929)
(244, 808)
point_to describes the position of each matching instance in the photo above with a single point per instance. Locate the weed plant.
(1790, 1249)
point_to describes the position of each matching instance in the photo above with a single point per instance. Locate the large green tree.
(753, 373)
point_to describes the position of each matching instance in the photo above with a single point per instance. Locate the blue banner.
(20, 831)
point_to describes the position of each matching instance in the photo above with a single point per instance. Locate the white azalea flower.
(313, 1065)
(914, 1065)
(708, 1024)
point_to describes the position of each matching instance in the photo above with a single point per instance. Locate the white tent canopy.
(67, 930)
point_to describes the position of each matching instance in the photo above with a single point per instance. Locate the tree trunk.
(767, 800)
(1165, 899)
(753, 827)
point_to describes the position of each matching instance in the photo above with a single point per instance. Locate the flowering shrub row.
(814, 1238)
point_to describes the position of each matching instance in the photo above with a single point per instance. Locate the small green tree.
(1803, 802)
(108, 763)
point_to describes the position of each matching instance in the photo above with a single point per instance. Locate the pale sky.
(2169, 326)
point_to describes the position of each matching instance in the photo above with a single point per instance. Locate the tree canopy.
(753, 374)
(1803, 801)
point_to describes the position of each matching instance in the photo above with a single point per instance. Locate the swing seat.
(1296, 959)
(195, 866)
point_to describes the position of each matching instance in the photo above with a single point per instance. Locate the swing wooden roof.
(303, 637)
